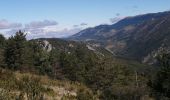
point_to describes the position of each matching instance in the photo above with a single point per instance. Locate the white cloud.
(50, 33)
(4, 24)
(41, 24)
(40, 29)
(54, 31)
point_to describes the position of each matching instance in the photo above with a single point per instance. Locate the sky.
(62, 18)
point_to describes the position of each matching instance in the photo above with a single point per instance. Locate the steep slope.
(145, 38)
(133, 37)
(70, 46)
(100, 72)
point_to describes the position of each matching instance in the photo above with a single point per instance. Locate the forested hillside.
(94, 73)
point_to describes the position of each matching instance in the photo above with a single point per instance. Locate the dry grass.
(55, 89)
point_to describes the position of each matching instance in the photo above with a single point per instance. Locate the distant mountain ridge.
(132, 37)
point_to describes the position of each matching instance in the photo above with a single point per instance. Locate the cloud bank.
(39, 29)
(41, 24)
(4, 24)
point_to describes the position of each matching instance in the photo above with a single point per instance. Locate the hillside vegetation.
(27, 86)
(65, 70)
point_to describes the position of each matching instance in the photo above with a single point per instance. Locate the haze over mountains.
(139, 37)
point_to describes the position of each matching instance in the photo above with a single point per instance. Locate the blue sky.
(64, 16)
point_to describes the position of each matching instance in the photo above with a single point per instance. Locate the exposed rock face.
(151, 58)
(90, 48)
(47, 46)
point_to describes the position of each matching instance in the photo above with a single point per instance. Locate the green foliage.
(114, 80)
(14, 51)
(160, 84)
(76, 64)
(2, 41)
(40, 58)
(24, 55)
(121, 92)
(2, 45)
(106, 77)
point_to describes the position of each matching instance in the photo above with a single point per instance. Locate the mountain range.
(139, 37)
(99, 63)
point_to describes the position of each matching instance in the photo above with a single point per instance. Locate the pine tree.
(14, 50)
(2, 44)
(161, 83)
(2, 41)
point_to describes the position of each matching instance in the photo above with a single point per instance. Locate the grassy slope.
(10, 86)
